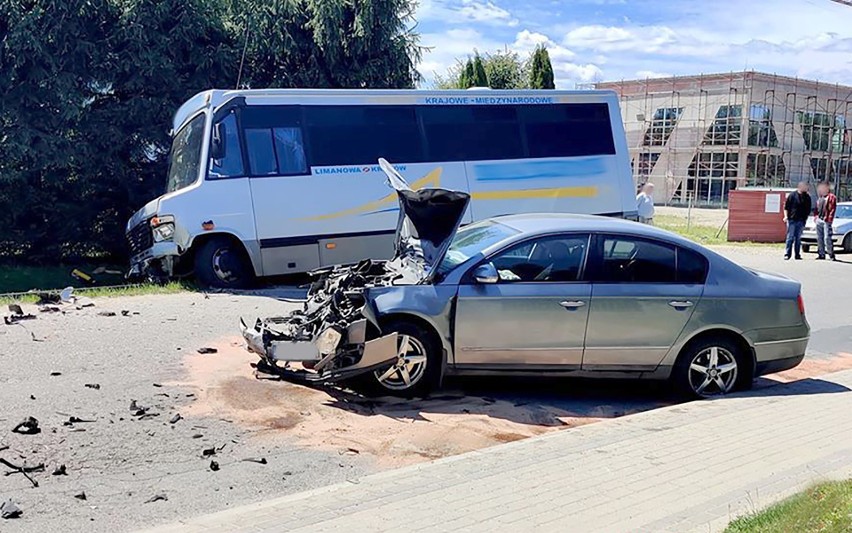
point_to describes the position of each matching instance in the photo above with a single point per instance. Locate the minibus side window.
(290, 150)
(261, 152)
(274, 140)
(471, 133)
(230, 162)
(567, 130)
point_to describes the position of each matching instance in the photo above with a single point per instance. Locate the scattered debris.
(125, 312)
(207, 452)
(25, 470)
(175, 419)
(349, 451)
(16, 309)
(28, 426)
(106, 313)
(158, 385)
(60, 471)
(136, 409)
(81, 495)
(258, 460)
(84, 301)
(76, 420)
(47, 298)
(214, 466)
(49, 309)
(106, 270)
(9, 510)
(15, 318)
(157, 497)
(67, 295)
(207, 350)
(56, 373)
(82, 276)
(197, 436)
(95, 386)
(32, 397)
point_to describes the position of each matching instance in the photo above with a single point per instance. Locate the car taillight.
(801, 302)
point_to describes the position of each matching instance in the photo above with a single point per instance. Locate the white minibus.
(279, 181)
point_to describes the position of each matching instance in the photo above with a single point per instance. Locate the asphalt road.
(121, 461)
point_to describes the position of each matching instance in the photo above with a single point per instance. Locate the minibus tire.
(222, 263)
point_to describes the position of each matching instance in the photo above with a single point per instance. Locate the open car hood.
(428, 220)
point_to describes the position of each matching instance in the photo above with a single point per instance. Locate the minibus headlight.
(164, 232)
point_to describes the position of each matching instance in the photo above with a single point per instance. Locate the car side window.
(691, 267)
(548, 259)
(632, 260)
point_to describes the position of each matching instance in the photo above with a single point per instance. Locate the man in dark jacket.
(797, 209)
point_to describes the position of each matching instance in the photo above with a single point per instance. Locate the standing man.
(797, 209)
(645, 204)
(824, 218)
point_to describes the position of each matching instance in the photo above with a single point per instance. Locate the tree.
(541, 70)
(479, 79)
(503, 70)
(88, 89)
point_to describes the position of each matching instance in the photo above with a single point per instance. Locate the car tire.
(422, 370)
(222, 263)
(697, 376)
(806, 248)
(847, 243)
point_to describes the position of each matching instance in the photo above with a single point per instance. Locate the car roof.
(538, 223)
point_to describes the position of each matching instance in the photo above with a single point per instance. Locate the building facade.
(699, 137)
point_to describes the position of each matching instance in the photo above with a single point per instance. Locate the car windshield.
(843, 211)
(472, 239)
(185, 157)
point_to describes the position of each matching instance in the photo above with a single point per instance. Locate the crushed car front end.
(336, 333)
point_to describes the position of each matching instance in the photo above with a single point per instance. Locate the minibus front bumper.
(158, 260)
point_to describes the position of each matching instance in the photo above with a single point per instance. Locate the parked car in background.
(282, 181)
(536, 294)
(842, 227)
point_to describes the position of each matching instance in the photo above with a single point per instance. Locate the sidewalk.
(689, 467)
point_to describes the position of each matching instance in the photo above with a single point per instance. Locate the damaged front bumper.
(325, 358)
(157, 261)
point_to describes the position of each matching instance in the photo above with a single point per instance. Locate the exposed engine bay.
(336, 334)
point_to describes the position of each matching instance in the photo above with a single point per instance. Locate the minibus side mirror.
(217, 144)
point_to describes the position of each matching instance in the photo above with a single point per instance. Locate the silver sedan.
(535, 294)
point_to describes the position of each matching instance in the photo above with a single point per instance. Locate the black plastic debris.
(158, 385)
(175, 419)
(106, 313)
(46, 298)
(9, 510)
(55, 373)
(207, 452)
(197, 436)
(24, 470)
(95, 386)
(157, 497)
(28, 426)
(125, 312)
(49, 309)
(214, 466)
(76, 420)
(136, 409)
(14, 319)
(80, 495)
(207, 350)
(16, 309)
(258, 460)
(60, 471)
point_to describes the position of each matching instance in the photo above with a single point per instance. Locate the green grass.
(20, 278)
(825, 508)
(107, 292)
(702, 234)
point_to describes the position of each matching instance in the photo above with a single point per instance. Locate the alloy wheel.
(713, 372)
(409, 367)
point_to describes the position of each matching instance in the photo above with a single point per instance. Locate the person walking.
(645, 204)
(797, 209)
(824, 217)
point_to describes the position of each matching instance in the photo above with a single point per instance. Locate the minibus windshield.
(185, 156)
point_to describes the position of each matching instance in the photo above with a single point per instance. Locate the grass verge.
(107, 292)
(826, 507)
(702, 234)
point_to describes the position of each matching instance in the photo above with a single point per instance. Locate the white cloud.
(465, 12)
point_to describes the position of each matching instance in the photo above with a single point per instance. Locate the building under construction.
(698, 137)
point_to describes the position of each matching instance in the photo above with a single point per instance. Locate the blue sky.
(607, 40)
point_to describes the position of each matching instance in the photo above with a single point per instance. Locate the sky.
(611, 40)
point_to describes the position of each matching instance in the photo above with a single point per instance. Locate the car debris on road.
(28, 426)
(8, 509)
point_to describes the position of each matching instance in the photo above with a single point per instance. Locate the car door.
(534, 316)
(641, 301)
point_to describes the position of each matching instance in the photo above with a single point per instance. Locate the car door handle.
(572, 304)
(677, 304)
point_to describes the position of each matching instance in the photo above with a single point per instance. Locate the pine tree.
(541, 70)
(479, 79)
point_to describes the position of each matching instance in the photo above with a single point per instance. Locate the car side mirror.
(486, 274)
(217, 143)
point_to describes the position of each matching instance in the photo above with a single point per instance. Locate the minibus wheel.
(221, 262)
